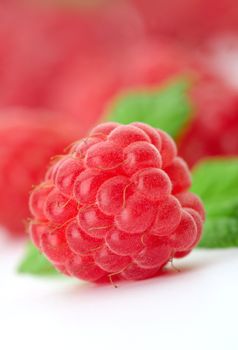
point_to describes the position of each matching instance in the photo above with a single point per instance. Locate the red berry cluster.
(117, 204)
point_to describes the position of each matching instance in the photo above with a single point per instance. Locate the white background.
(196, 308)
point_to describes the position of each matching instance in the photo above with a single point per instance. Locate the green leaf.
(167, 107)
(220, 233)
(215, 180)
(35, 263)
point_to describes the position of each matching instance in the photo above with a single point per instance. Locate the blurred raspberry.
(37, 41)
(189, 22)
(116, 204)
(28, 140)
(214, 131)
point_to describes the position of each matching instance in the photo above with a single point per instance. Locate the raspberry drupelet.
(116, 205)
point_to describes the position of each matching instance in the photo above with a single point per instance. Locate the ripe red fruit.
(120, 207)
(28, 140)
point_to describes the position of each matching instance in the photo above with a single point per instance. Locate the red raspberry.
(28, 140)
(117, 204)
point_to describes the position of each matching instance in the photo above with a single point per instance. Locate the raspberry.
(28, 140)
(120, 207)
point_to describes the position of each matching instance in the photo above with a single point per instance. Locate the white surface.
(196, 308)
